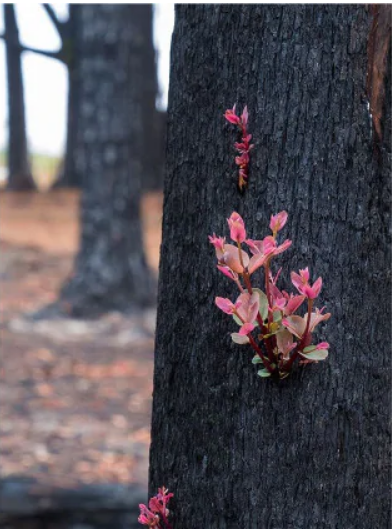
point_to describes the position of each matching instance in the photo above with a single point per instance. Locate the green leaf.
(237, 320)
(239, 339)
(263, 309)
(309, 348)
(277, 316)
(257, 359)
(263, 373)
(316, 355)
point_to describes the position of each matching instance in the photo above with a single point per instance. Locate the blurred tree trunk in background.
(110, 269)
(236, 450)
(153, 150)
(19, 171)
(69, 33)
(153, 155)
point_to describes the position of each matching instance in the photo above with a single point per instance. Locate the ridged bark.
(236, 450)
(110, 270)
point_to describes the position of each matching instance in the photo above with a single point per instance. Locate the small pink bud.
(245, 116)
(231, 116)
(237, 228)
(278, 221)
(301, 282)
(219, 244)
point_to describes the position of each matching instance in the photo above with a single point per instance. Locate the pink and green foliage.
(157, 513)
(283, 336)
(243, 147)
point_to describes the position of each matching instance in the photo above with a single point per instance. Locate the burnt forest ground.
(75, 395)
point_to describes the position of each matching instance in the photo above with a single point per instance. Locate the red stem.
(165, 520)
(260, 322)
(267, 290)
(260, 354)
(289, 364)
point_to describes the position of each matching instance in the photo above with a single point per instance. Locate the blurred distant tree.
(154, 163)
(19, 171)
(153, 160)
(314, 451)
(154, 131)
(110, 269)
(69, 31)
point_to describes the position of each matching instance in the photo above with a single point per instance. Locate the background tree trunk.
(19, 172)
(69, 175)
(153, 155)
(154, 131)
(239, 451)
(110, 270)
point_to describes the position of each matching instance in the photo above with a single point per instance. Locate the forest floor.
(75, 395)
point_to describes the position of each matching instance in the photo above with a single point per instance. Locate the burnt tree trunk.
(19, 171)
(69, 176)
(239, 451)
(155, 163)
(152, 170)
(153, 152)
(110, 269)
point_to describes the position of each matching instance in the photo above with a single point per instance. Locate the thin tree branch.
(22, 48)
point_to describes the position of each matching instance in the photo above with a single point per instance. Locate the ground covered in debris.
(75, 395)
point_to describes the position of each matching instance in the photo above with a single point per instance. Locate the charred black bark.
(239, 451)
(110, 269)
(19, 171)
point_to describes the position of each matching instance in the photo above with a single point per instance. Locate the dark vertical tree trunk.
(239, 451)
(154, 131)
(110, 269)
(152, 172)
(69, 175)
(19, 172)
(155, 161)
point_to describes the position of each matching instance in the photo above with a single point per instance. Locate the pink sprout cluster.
(243, 147)
(157, 513)
(283, 336)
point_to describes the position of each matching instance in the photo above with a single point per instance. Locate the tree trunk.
(110, 270)
(19, 172)
(152, 172)
(69, 176)
(239, 451)
(153, 155)
(155, 162)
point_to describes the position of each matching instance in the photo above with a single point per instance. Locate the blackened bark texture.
(19, 172)
(110, 270)
(236, 450)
